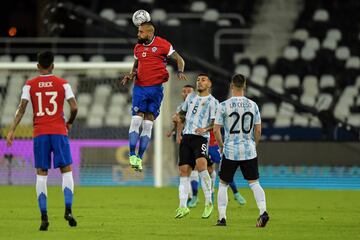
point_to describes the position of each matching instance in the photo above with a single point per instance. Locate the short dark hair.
(45, 59)
(189, 86)
(238, 80)
(205, 75)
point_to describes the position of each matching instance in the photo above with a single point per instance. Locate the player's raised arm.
(131, 76)
(180, 65)
(18, 116)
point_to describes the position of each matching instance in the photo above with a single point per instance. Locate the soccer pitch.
(148, 213)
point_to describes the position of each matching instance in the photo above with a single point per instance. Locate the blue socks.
(133, 138)
(194, 187)
(233, 187)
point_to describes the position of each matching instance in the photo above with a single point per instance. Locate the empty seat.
(174, 22)
(357, 82)
(291, 53)
(108, 13)
(334, 34)
(224, 23)
(312, 43)
(268, 110)
(118, 99)
(260, 70)
(59, 59)
(158, 15)
(82, 111)
(275, 82)
(121, 22)
(300, 120)
(198, 6)
(5, 58)
(94, 121)
(286, 109)
(282, 122)
(354, 120)
(22, 58)
(112, 121)
(257, 80)
(314, 122)
(253, 92)
(300, 34)
(353, 62)
(321, 15)
(211, 15)
(342, 53)
(329, 44)
(84, 99)
(97, 58)
(308, 100)
(310, 85)
(327, 81)
(243, 69)
(292, 81)
(308, 53)
(75, 58)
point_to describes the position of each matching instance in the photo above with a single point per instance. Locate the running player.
(241, 120)
(200, 112)
(47, 94)
(149, 73)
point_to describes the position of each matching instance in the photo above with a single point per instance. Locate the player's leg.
(237, 196)
(214, 157)
(63, 160)
(186, 164)
(199, 145)
(145, 137)
(138, 109)
(226, 175)
(194, 182)
(249, 169)
(42, 153)
(212, 173)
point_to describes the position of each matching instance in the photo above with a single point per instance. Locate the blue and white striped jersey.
(200, 111)
(238, 115)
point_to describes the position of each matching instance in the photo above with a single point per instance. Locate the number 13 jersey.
(47, 94)
(200, 111)
(238, 115)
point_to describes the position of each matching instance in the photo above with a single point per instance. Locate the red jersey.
(152, 60)
(212, 141)
(47, 94)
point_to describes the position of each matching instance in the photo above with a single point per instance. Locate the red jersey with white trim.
(47, 94)
(152, 60)
(212, 141)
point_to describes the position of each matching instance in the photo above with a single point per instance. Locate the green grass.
(148, 213)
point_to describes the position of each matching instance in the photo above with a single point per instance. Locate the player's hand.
(178, 138)
(169, 133)
(68, 126)
(200, 130)
(128, 77)
(221, 150)
(10, 138)
(182, 76)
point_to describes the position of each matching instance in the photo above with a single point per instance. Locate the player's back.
(47, 94)
(240, 114)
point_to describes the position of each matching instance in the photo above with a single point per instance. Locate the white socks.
(135, 124)
(41, 182)
(194, 176)
(146, 128)
(190, 193)
(68, 181)
(213, 179)
(206, 185)
(222, 200)
(259, 195)
(183, 191)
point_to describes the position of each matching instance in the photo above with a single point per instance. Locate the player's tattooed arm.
(132, 75)
(206, 129)
(18, 116)
(73, 112)
(180, 65)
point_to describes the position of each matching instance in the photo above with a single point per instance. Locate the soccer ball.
(140, 16)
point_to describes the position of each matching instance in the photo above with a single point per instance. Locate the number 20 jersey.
(47, 94)
(238, 115)
(200, 111)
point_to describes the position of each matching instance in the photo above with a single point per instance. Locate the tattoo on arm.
(179, 60)
(19, 114)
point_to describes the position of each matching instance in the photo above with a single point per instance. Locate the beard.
(141, 40)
